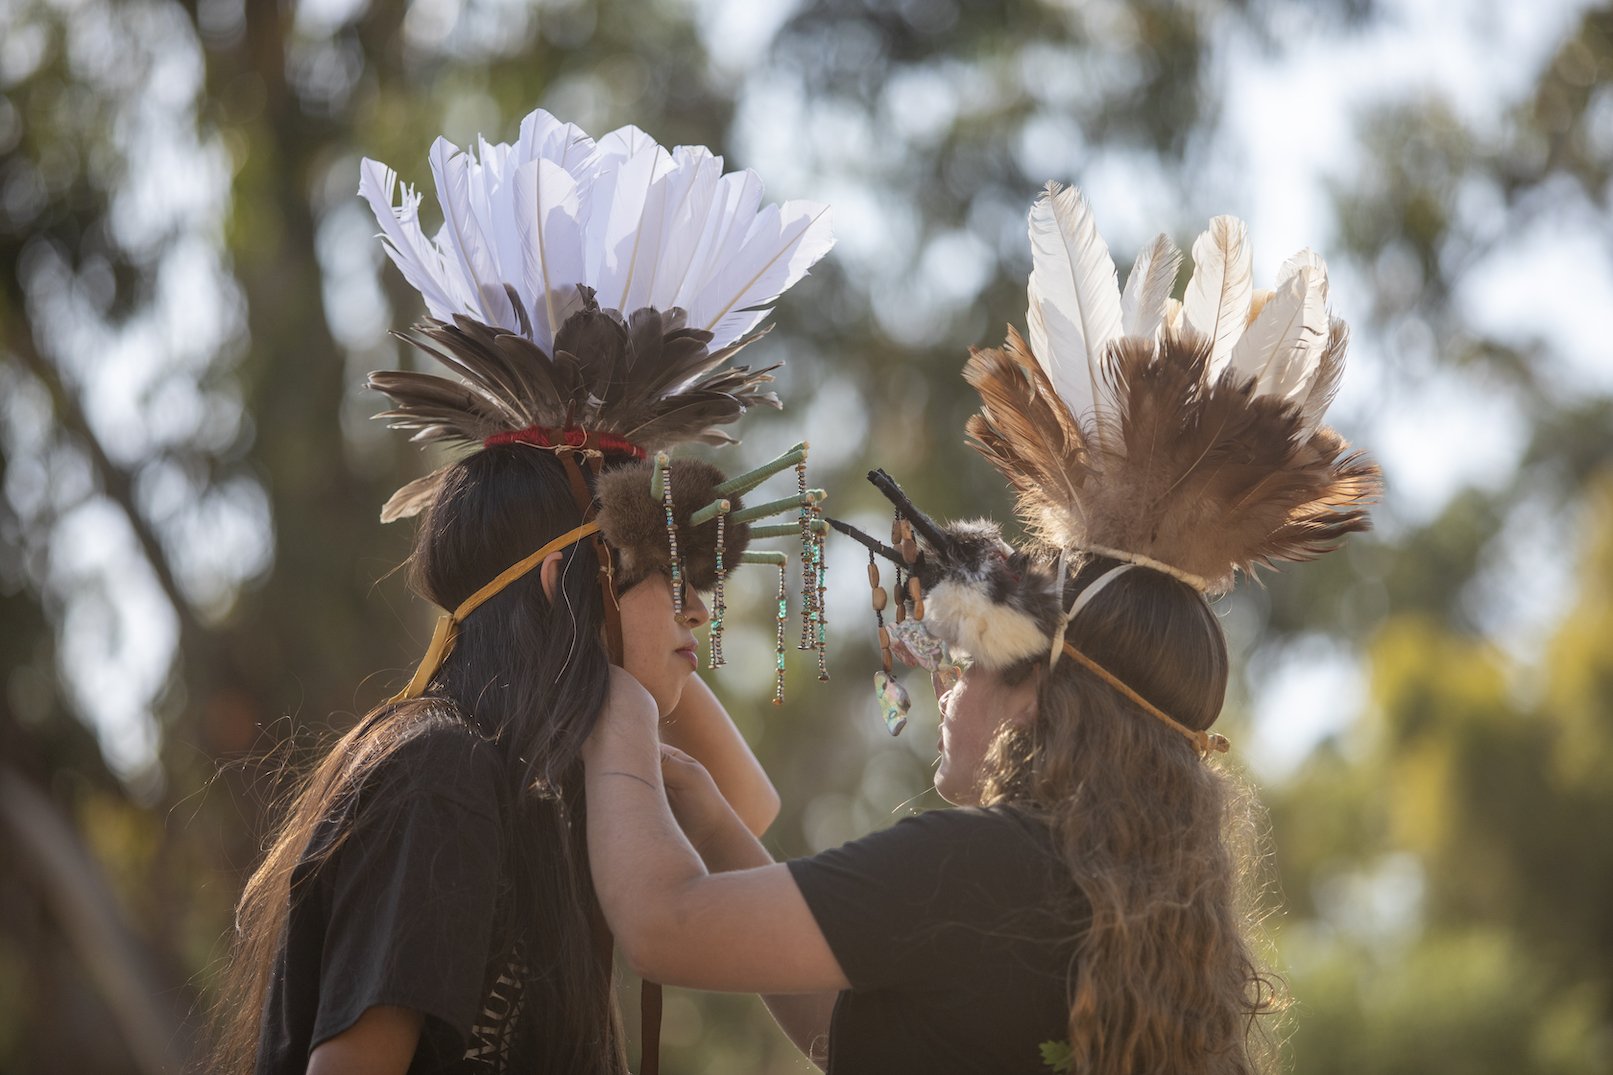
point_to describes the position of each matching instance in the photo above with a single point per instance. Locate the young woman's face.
(659, 649)
(972, 711)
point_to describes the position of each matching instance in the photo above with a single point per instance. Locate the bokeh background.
(195, 592)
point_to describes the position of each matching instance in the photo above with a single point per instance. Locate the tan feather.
(1213, 479)
(1216, 303)
(1029, 435)
(413, 498)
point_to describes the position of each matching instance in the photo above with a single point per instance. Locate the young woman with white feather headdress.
(1083, 908)
(425, 905)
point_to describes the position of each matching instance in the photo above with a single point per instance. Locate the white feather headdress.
(586, 285)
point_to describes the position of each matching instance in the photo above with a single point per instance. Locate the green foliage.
(1472, 1001)
(1057, 1055)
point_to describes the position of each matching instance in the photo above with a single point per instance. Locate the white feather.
(1074, 298)
(666, 237)
(639, 225)
(734, 205)
(1306, 259)
(781, 244)
(689, 222)
(1217, 300)
(548, 216)
(493, 204)
(1281, 350)
(1319, 396)
(1153, 276)
(462, 236)
(566, 144)
(616, 213)
(420, 262)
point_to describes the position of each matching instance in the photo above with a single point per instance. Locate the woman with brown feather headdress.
(1085, 906)
(425, 903)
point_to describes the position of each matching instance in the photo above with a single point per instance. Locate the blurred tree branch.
(114, 481)
(48, 856)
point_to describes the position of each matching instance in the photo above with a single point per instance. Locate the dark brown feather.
(647, 377)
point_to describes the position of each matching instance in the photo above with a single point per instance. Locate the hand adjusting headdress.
(589, 296)
(1180, 437)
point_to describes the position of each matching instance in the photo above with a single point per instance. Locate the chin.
(669, 695)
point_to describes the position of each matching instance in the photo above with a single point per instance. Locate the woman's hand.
(699, 806)
(701, 727)
(629, 707)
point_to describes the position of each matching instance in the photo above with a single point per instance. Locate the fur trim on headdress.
(636, 525)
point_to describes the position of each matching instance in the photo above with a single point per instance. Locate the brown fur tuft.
(635, 525)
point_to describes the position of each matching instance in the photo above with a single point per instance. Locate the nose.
(695, 612)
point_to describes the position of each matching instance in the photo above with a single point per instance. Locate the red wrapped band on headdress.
(546, 437)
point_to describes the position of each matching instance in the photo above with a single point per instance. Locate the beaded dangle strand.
(718, 605)
(809, 584)
(879, 600)
(663, 476)
(809, 527)
(820, 571)
(894, 701)
(783, 615)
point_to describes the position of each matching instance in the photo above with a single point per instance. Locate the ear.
(549, 575)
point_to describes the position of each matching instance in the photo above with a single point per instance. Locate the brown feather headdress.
(1183, 437)
(1186, 434)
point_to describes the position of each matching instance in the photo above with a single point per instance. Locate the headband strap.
(1203, 741)
(1081, 601)
(1084, 598)
(1198, 582)
(447, 630)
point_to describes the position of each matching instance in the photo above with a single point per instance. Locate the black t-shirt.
(406, 912)
(956, 930)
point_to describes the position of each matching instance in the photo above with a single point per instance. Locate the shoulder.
(967, 839)
(981, 836)
(432, 755)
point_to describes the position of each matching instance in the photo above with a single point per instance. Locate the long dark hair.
(1163, 846)
(529, 676)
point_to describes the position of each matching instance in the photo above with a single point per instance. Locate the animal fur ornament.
(1182, 437)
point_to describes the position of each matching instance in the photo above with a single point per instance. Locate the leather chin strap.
(650, 996)
(584, 499)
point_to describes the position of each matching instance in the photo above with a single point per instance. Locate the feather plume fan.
(1189, 434)
(581, 284)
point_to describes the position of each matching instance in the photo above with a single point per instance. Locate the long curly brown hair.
(1163, 846)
